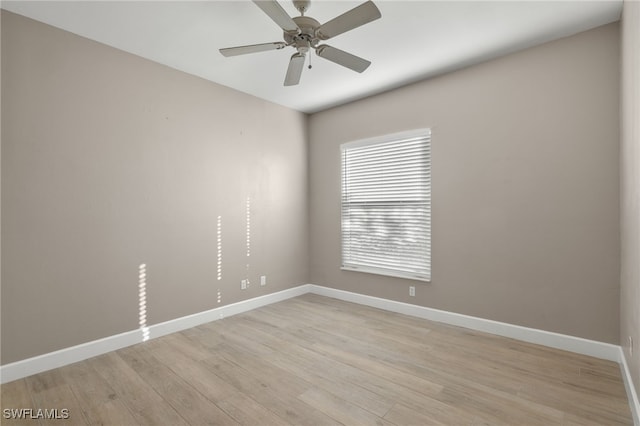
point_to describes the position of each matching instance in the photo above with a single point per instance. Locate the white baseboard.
(38, 364)
(555, 340)
(27, 367)
(634, 403)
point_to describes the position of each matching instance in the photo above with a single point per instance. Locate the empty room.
(320, 212)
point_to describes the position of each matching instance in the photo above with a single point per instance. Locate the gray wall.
(630, 188)
(525, 187)
(109, 161)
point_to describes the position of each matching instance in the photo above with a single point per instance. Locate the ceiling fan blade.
(294, 71)
(354, 18)
(252, 48)
(343, 58)
(273, 9)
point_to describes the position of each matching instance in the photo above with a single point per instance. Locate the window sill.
(387, 273)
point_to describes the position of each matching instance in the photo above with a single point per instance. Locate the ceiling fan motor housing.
(306, 38)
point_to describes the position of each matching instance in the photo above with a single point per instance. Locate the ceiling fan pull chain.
(310, 55)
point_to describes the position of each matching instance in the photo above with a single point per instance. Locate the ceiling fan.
(305, 33)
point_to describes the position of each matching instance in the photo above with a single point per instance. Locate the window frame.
(423, 133)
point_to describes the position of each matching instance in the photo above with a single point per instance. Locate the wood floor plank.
(145, 405)
(431, 411)
(359, 386)
(59, 405)
(248, 412)
(179, 342)
(15, 396)
(194, 372)
(107, 413)
(387, 372)
(44, 381)
(313, 360)
(315, 371)
(306, 358)
(87, 385)
(179, 394)
(263, 370)
(97, 400)
(281, 401)
(403, 415)
(339, 409)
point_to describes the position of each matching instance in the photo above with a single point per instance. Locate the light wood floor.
(319, 361)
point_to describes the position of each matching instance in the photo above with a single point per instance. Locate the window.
(386, 205)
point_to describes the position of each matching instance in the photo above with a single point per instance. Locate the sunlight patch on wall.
(142, 301)
(248, 216)
(248, 232)
(219, 228)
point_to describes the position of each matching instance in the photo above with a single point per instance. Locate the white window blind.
(386, 205)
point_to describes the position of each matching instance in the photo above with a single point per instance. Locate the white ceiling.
(412, 41)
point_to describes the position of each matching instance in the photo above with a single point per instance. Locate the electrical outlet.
(631, 345)
(243, 285)
(412, 291)
(263, 280)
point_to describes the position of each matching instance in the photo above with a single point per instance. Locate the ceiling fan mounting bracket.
(302, 5)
